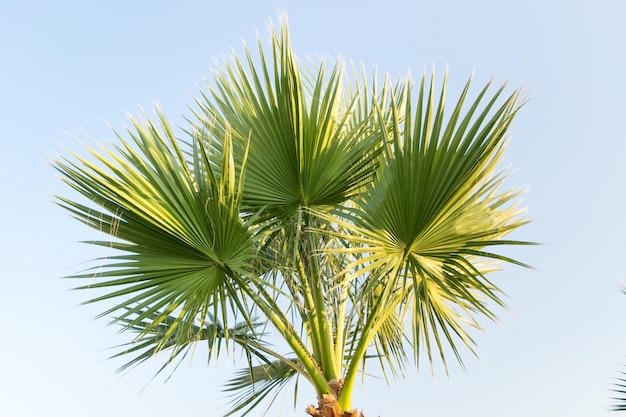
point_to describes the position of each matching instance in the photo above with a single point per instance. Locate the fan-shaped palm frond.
(431, 215)
(184, 248)
(307, 146)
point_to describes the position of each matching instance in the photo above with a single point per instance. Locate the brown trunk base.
(328, 407)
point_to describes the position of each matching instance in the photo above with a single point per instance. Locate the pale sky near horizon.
(81, 67)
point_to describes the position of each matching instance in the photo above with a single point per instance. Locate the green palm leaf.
(183, 248)
(425, 225)
(307, 145)
(151, 339)
(620, 390)
(252, 385)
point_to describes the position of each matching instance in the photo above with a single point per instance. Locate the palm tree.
(349, 218)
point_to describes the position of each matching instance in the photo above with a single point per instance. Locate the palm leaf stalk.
(355, 220)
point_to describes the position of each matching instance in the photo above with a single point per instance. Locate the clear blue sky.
(76, 66)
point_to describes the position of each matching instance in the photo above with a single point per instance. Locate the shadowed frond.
(250, 386)
(151, 339)
(620, 391)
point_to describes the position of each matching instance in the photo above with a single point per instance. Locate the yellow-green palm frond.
(184, 250)
(424, 227)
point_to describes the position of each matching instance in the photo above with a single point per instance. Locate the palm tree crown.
(351, 218)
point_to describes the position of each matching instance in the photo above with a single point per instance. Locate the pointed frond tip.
(154, 335)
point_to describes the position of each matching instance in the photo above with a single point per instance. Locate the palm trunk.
(328, 406)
